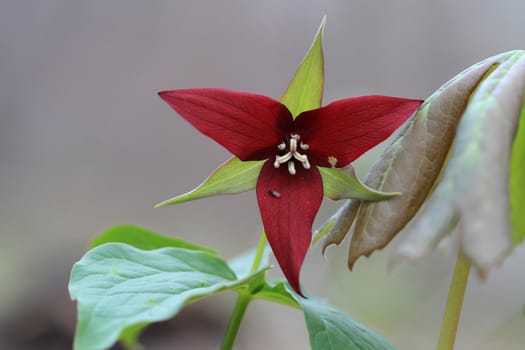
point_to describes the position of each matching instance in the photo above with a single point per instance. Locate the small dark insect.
(274, 193)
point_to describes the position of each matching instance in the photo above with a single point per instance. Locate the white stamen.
(300, 157)
(306, 164)
(293, 144)
(293, 152)
(291, 167)
(332, 161)
(284, 158)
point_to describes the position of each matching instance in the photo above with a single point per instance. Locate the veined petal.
(248, 125)
(343, 130)
(288, 205)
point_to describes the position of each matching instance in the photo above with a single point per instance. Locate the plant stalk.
(242, 300)
(235, 321)
(458, 285)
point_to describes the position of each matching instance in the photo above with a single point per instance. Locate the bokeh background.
(85, 143)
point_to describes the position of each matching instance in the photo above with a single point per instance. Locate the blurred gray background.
(85, 143)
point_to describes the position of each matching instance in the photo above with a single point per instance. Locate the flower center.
(292, 145)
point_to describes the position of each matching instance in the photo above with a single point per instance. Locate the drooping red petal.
(347, 128)
(248, 125)
(288, 205)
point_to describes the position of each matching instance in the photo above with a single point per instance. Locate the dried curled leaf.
(233, 176)
(474, 191)
(473, 117)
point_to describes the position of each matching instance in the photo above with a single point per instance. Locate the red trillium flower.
(289, 188)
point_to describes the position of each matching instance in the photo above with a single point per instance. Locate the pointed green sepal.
(342, 183)
(305, 91)
(234, 176)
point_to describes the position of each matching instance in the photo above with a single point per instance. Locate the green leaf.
(234, 176)
(342, 183)
(330, 329)
(305, 91)
(142, 238)
(118, 286)
(517, 182)
(275, 291)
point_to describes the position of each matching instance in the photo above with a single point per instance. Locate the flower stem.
(235, 322)
(259, 253)
(449, 325)
(242, 300)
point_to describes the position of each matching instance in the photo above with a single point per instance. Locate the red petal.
(249, 126)
(347, 128)
(288, 205)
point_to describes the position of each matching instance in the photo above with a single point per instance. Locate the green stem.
(449, 325)
(235, 321)
(242, 300)
(259, 252)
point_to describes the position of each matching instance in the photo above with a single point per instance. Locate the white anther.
(306, 164)
(291, 167)
(284, 158)
(293, 152)
(332, 161)
(293, 145)
(300, 157)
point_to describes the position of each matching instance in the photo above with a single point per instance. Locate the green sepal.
(276, 291)
(233, 176)
(342, 183)
(305, 91)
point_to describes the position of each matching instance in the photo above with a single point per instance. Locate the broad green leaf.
(118, 286)
(413, 163)
(342, 183)
(142, 238)
(517, 182)
(330, 329)
(305, 91)
(275, 291)
(234, 176)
